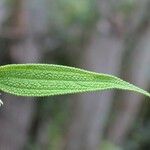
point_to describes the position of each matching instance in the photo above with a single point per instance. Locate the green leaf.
(47, 79)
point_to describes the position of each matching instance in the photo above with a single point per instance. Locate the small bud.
(1, 103)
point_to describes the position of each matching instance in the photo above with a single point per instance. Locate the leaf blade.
(46, 80)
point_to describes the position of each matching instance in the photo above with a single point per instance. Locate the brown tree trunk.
(17, 112)
(134, 68)
(132, 102)
(92, 109)
(86, 131)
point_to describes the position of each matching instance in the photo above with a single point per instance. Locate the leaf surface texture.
(47, 79)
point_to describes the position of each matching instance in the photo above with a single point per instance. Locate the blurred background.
(108, 36)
